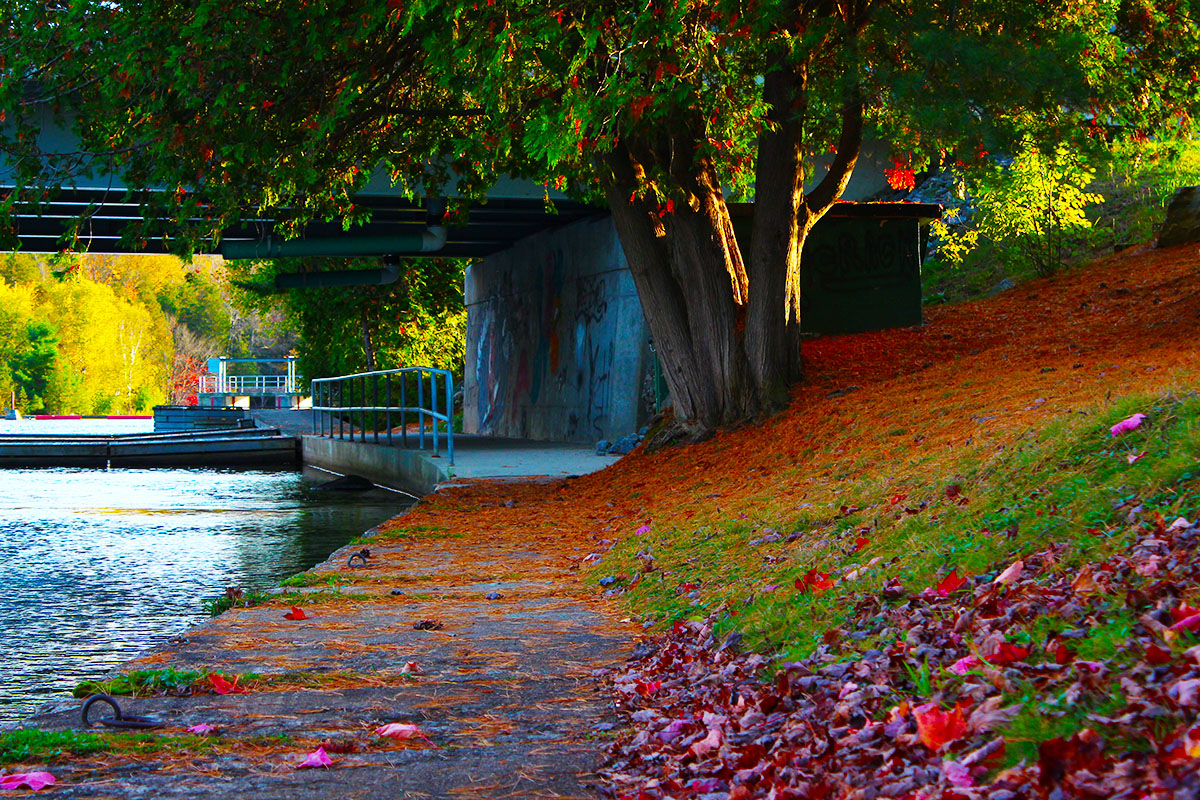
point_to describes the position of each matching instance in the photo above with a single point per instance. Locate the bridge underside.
(490, 227)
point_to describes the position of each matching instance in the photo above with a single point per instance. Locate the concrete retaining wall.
(557, 348)
(395, 467)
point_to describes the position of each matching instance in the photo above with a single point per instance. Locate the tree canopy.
(664, 109)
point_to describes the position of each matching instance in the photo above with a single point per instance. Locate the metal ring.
(118, 721)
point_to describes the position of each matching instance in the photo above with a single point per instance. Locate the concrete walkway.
(488, 640)
(420, 471)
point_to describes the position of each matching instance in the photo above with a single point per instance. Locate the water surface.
(99, 566)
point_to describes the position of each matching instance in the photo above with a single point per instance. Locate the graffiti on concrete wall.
(544, 341)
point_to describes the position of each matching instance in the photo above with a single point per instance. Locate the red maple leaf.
(1007, 654)
(951, 583)
(222, 686)
(1183, 611)
(817, 581)
(936, 727)
(295, 613)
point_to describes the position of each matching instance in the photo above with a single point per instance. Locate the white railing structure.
(341, 398)
(221, 382)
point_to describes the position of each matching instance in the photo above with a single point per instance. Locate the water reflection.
(99, 566)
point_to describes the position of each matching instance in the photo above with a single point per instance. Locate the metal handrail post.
(387, 383)
(362, 415)
(375, 403)
(433, 403)
(341, 402)
(403, 412)
(450, 417)
(420, 411)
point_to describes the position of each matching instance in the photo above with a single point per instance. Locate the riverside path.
(465, 619)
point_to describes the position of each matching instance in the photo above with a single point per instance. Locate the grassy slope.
(978, 438)
(981, 435)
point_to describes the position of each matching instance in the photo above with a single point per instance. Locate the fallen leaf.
(1186, 693)
(317, 758)
(950, 583)
(860, 543)
(1133, 458)
(222, 686)
(642, 531)
(1011, 574)
(957, 774)
(202, 729)
(937, 728)
(964, 665)
(33, 780)
(401, 730)
(706, 745)
(1128, 424)
(411, 668)
(295, 613)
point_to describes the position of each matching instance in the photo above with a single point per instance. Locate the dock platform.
(241, 448)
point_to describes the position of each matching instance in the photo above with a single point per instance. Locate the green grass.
(33, 746)
(150, 682)
(1061, 484)
(223, 602)
(305, 579)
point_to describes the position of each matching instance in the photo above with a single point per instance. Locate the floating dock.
(239, 448)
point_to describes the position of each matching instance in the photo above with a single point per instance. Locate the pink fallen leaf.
(672, 731)
(401, 730)
(965, 665)
(411, 668)
(317, 758)
(957, 774)
(1128, 424)
(1011, 574)
(706, 745)
(1133, 458)
(1191, 623)
(642, 531)
(33, 780)
(202, 729)
(1186, 692)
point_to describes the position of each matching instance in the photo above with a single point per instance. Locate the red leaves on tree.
(638, 106)
(900, 177)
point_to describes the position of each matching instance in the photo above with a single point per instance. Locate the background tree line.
(106, 334)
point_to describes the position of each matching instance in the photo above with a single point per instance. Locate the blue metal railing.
(329, 395)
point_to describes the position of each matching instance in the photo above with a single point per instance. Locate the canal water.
(99, 566)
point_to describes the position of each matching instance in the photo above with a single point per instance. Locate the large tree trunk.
(728, 338)
(686, 273)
